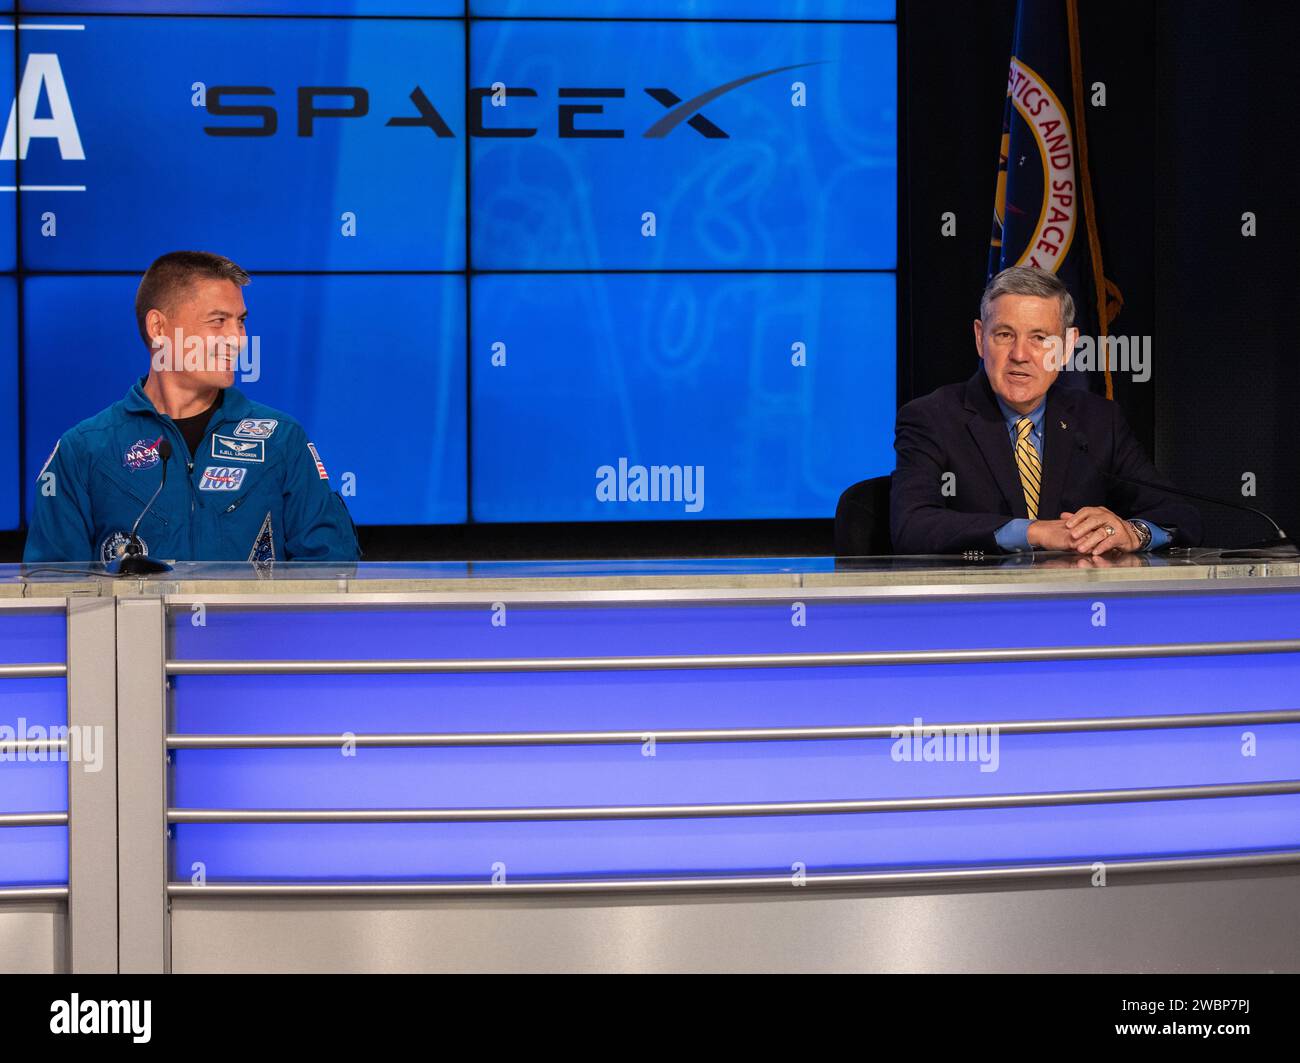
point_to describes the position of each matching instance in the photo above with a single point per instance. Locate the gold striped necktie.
(1031, 470)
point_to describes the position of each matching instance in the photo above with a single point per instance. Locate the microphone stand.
(1278, 548)
(134, 561)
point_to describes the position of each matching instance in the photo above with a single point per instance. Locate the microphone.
(1278, 547)
(134, 561)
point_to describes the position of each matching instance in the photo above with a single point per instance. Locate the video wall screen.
(513, 260)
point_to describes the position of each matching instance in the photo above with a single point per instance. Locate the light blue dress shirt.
(1013, 536)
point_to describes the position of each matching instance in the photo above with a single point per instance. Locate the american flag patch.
(320, 465)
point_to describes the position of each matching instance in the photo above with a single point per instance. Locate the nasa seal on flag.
(1043, 113)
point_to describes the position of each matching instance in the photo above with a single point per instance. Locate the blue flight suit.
(254, 491)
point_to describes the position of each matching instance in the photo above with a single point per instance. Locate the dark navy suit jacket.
(959, 429)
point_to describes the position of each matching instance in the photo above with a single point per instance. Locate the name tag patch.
(228, 448)
(222, 478)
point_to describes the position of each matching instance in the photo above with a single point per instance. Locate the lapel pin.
(1064, 425)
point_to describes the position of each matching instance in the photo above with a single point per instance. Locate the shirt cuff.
(1013, 536)
(1159, 537)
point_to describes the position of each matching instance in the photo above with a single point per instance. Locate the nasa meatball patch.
(142, 454)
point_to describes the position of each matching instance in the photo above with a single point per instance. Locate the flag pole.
(1100, 284)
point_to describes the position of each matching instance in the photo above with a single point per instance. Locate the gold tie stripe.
(1031, 470)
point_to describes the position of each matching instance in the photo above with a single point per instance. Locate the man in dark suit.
(1012, 461)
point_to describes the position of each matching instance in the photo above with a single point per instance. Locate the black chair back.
(862, 519)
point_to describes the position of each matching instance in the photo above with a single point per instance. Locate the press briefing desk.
(898, 764)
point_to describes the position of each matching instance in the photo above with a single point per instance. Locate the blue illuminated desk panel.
(525, 771)
(33, 732)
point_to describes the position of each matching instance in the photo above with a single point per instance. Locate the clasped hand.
(1093, 530)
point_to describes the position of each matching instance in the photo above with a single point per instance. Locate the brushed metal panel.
(142, 787)
(92, 786)
(33, 939)
(1189, 924)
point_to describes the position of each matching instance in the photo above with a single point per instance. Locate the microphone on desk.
(134, 561)
(1280, 546)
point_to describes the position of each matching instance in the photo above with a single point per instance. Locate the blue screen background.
(502, 323)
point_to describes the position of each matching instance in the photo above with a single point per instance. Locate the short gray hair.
(1029, 280)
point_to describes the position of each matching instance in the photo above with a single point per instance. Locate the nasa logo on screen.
(43, 83)
(222, 478)
(142, 454)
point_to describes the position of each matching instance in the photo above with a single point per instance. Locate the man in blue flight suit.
(244, 482)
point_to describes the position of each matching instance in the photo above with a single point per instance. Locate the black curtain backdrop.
(1196, 130)
(1227, 306)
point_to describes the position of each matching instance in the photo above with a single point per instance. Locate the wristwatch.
(1143, 533)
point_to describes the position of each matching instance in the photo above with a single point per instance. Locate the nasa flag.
(1043, 212)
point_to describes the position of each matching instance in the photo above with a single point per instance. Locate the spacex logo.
(317, 102)
(44, 110)
(42, 78)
